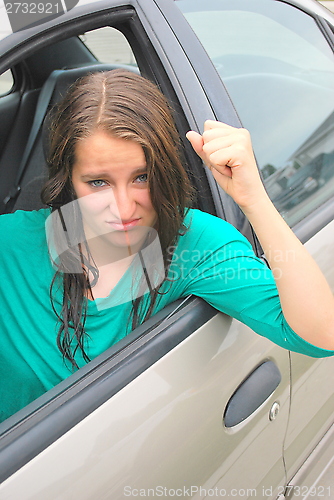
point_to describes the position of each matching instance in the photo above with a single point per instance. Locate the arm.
(306, 299)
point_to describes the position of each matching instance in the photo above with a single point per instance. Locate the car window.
(6, 82)
(109, 45)
(279, 71)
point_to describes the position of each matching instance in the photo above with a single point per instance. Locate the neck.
(103, 252)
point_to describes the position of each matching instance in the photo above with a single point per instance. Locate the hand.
(228, 153)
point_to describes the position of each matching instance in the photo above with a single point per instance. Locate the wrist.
(259, 206)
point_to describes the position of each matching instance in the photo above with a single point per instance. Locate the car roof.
(6, 31)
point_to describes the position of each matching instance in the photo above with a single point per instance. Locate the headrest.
(62, 79)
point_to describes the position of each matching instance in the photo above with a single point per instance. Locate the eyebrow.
(102, 173)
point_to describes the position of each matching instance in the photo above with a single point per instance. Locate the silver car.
(192, 404)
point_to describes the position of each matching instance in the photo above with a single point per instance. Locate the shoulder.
(205, 228)
(197, 220)
(23, 224)
(23, 216)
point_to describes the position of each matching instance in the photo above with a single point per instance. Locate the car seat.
(32, 172)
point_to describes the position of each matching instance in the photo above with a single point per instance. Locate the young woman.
(120, 242)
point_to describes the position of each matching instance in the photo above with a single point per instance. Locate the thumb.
(196, 140)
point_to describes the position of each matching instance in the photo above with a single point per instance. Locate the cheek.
(90, 204)
(144, 199)
(149, 209)
(90, 207)
(80, 192)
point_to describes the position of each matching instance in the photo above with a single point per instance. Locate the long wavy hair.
(127, 106)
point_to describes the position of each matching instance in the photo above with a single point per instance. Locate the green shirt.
(211, 260)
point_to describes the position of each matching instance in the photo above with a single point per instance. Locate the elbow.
(327, 337)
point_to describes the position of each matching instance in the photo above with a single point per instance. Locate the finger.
(196, 140)
(231, 156)
(216, 133)
(225, 158)
(217, 144)
(223, 172)
(212, 124)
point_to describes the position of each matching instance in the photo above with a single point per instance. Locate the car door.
(276, 61)
(183, 405)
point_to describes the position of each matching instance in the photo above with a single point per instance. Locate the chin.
(132, 240)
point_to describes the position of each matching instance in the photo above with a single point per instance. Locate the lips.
(123, 225)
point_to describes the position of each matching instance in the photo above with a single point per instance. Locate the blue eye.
(97, 183)
(142, 178)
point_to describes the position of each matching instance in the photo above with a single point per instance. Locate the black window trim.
(65, 28)
(326, 31)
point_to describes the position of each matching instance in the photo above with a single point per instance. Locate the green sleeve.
(218, 264)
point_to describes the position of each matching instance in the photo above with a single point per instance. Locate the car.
(192, 403)
(306, 180)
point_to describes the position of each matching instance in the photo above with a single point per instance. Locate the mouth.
(123, 225)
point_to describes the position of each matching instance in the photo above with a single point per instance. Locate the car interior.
(40, 81)
(32, 171)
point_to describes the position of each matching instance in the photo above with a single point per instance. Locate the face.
(109, 177)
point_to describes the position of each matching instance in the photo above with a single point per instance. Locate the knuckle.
(245, 133)
(206, 148)
(242, 149)
(206, 135)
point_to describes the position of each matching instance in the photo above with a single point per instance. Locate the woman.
(120, 242)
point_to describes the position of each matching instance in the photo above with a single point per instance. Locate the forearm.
(306, 299)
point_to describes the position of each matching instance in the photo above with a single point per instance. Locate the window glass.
(109, 45)
(6, 82)
(279, 71)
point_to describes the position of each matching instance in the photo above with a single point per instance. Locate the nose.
(122, 203)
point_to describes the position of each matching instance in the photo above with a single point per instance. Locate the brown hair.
(130, 107)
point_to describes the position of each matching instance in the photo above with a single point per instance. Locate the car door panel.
(312, 391)
(165, 427)
(312, 397)
(69, 402)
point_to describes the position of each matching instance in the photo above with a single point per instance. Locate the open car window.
(110, 47)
